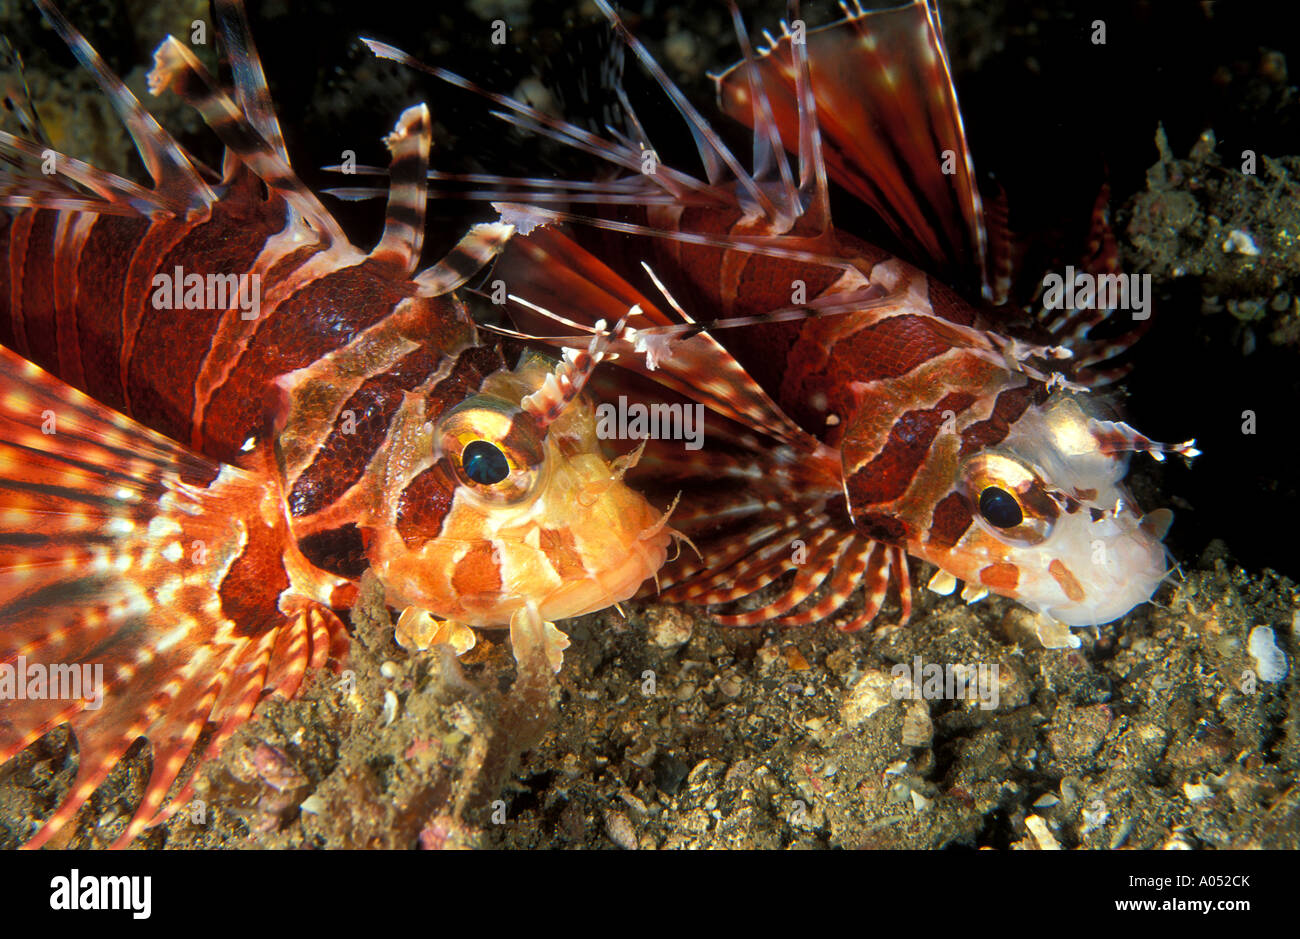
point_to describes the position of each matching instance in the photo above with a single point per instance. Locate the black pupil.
(1000, 508)
(484, 463)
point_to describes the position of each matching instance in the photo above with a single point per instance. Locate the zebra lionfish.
(868, 410)
(188, 492)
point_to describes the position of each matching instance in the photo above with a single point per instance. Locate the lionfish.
(863, 408)
(189, 493)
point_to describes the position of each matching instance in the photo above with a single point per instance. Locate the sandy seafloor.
(1156, 732)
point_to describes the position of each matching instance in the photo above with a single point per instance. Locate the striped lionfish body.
(862, 410)
(216, 413)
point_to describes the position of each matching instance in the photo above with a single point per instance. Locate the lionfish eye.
(1010, 496)
(485, 463)
(493, 447)
(1000, 508)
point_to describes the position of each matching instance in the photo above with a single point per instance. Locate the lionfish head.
(1050, 521)
(505, 500)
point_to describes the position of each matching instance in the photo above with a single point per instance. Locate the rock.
(620, 831)
(1077, 733)
(1042, 834)
(670, 773)
(669, 628)
(1030, 629)
(795, 659)
(868, 695)
(918, 729)
(1270, 660)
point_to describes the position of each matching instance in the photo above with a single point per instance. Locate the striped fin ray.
(177, 68)
(823, 555)
(167, 583)
(564, 384)
(765, 559)
(25, 185)
(713, 152)
(768, 150)
(757, 511)
(514, 188)
(866, 563)
(883, 564)
(847, 575)
(800, 250)
(481, 244)
(813, 185)
(552, 271)
(178, 187)
(841, 575)
(726, 183)
(846, 561)
(407, 191)
(37, 176)
(828, 569)
(307, 641)
(251, 91)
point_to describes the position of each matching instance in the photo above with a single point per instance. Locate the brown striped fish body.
(863, 410)
(216, 413)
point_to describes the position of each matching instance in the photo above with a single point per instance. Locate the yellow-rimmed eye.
(494, 448)
(1009, 498)
(484, 463)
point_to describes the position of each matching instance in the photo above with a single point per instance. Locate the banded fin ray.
(553, 271)
(27, 180)
(24, 186)
(251, 91)
(675, 183)
(178, 187)
(403, 235)
(176, 68)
